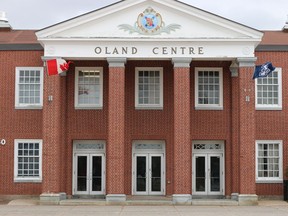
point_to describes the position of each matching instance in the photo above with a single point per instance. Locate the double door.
(148, 174)
(89, 174)
(208, 175)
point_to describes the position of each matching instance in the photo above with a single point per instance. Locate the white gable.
(123, 22)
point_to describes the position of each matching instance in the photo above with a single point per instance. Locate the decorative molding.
(247, 62)
(116, 62)
(181, 62)
(99, 146)
(148, 146)
(149, 23)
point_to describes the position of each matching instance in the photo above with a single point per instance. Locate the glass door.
(149, 174)
(89, 174)
(208, 174)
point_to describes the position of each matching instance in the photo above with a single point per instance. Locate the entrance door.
(208, 174)
(89, 174)
(148, 174)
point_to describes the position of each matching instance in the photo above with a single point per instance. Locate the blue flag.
(263, 70)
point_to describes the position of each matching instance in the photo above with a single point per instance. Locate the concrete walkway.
(31, 208)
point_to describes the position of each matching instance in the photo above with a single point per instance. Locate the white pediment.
(128, 21)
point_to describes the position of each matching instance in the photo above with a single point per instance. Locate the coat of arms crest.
(149, 23)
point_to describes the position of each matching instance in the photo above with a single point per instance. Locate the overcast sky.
(38, 14)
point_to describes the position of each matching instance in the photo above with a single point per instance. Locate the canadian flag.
(57, 66)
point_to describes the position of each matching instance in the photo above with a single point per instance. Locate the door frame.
(152, 148)
(149, 173)
(208, 149)
(88, 148)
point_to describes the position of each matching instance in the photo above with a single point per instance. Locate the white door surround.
(208, 168)
(148, 168)
(89, 167)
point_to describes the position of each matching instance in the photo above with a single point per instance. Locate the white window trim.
(209, 106)
(27, 179)
(88, 106)
(271, 107)
(28, 106)
(148, 106)
(270, 179)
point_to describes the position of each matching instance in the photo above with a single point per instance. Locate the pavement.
(32, 208)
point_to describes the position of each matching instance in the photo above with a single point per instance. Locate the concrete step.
(147, 202)
(214, 202)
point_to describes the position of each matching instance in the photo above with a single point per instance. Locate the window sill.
(28, 180)
(269, 108)
(208, 108)
(149, 108)
(88, 108)
(29, 107)
(278, 181)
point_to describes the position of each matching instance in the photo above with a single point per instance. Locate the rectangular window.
(208, 88)
(149, 88)
(269, 91)
(29, 88)
(269, 161)
(89, 88)
(28, 160)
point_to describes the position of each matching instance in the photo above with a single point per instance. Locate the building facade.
(159, 100)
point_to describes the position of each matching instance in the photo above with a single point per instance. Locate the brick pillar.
(53, 118)
(182, 141)
(247, 130)
(116, 129)
(235, 129)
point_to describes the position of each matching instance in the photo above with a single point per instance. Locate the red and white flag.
(57, 66)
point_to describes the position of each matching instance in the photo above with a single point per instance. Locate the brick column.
(235, 129)
(182, 141)
(53, 137)
(116, 128)
(247, 130)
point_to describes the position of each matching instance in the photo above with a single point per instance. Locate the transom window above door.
(209, 88)
(149, 88)
(89, 88)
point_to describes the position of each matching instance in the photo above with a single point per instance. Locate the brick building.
(159, 100)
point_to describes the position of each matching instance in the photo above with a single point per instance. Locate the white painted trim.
(27, 179)
(88, 106)
(17, 76)
(89, 153)
(268, 179)
(149, 106)
(280, 87)
(148, 152)
(220, 106)
(207, 153)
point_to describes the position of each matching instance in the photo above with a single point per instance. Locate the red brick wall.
(273, 125)
(139, 124)
(16, 124)
(149, 124)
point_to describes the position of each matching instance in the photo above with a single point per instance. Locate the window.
(269, 91)
(269, 161)
(28, 160)
(29, 88)
(89, 88)
(149, 88)
(208, 88)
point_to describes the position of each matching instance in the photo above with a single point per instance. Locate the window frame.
(148, 106)
(219, 106)
(269, 179)
(35, 179)
(19, 105)
(280, 86)
(76, 98)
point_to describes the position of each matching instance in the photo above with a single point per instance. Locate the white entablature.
(149, 29)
